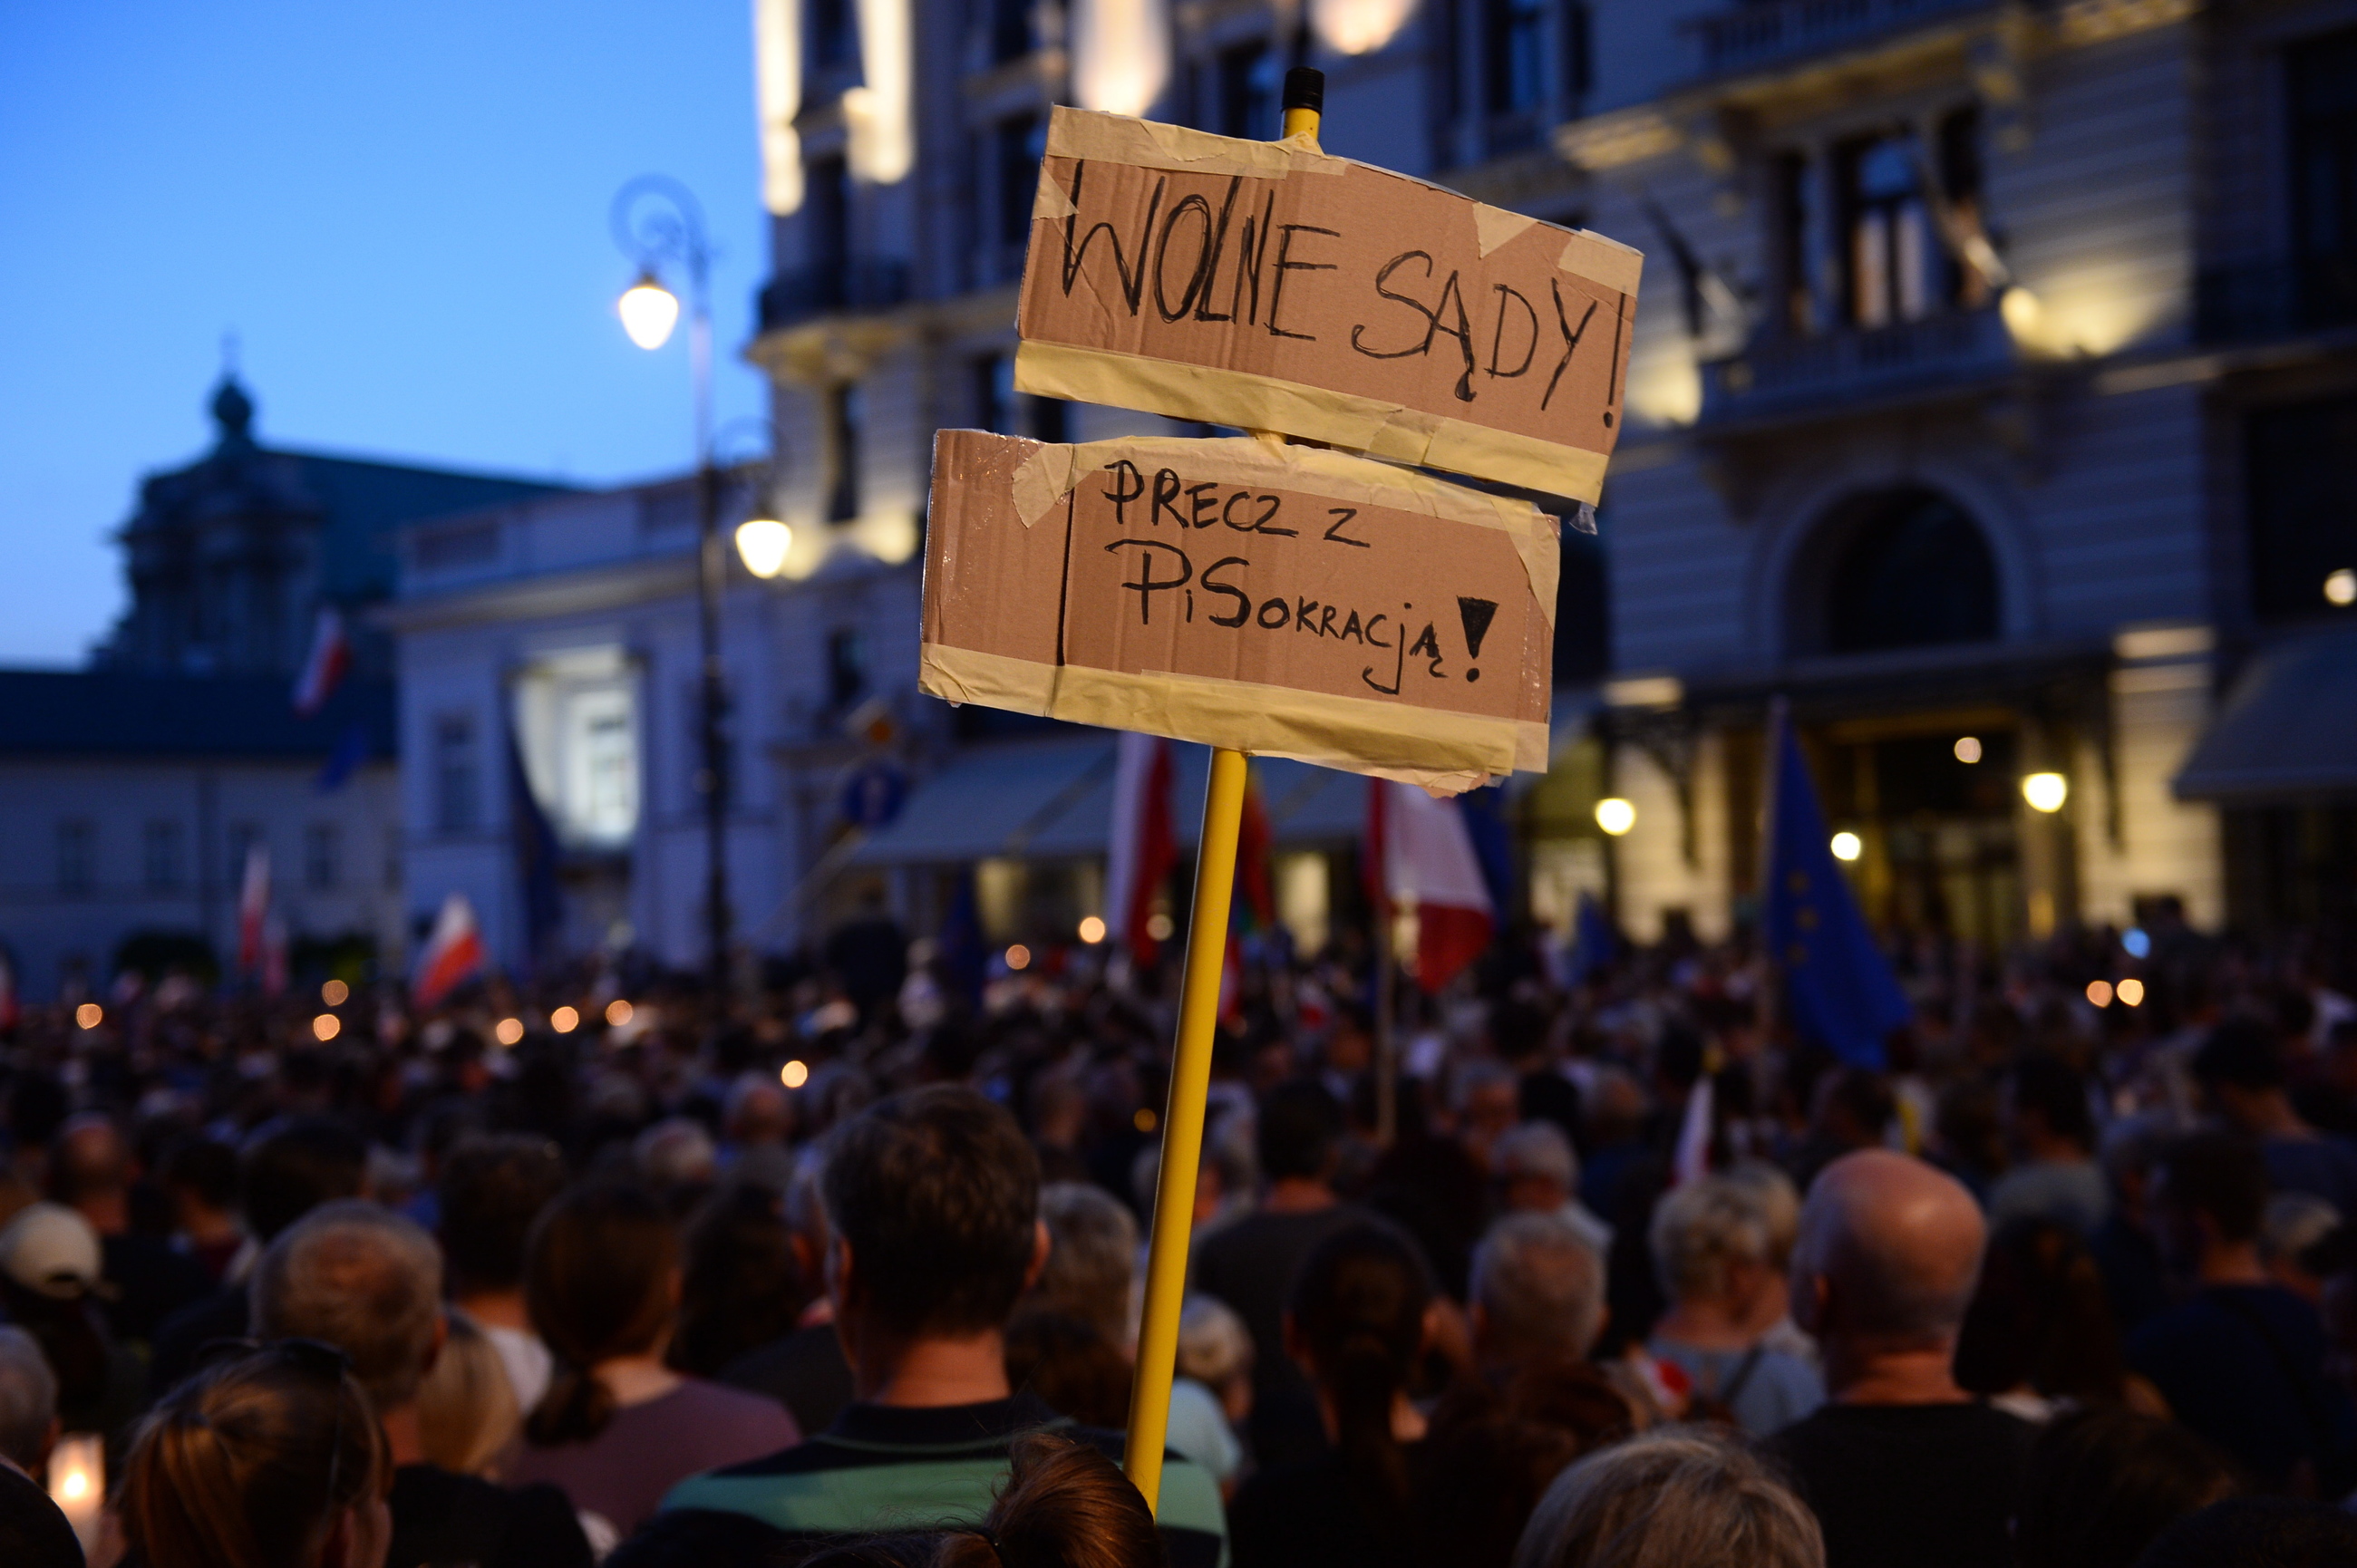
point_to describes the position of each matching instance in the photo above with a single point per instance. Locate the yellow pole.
(1190, 1064)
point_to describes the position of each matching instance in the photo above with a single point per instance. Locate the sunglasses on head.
(317, 1356)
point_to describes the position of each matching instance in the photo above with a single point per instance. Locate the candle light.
(78, 1483)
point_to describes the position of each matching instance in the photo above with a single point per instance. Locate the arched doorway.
(1908, 568)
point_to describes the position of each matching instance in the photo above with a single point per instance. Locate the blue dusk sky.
(400, 211)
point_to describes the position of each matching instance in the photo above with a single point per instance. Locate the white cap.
(50, 1249)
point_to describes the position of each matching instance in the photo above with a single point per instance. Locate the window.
(842, 420)
(827, 202)
(847, 667)
(2324, 145)
(77, 858)
(319, 857)
(833, 36)
(1017, 148)
(1010, 29)
(1246, 102)
(1891, 250)
(1907, 569)
(1797, 296)
(1579, 53)
(1960, 187)
(457, 808)
(2303, 491)
(1514, 56)
(1000, 407)
(164, 859)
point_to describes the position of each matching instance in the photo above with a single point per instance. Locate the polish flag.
(1424, 854)
(331, 656)
(1143, 847)
(453, 953)
(253, 908)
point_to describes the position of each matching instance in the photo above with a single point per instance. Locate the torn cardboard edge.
(1357, 424)
(1053, 471)
(1150, 144)
(1444, 753)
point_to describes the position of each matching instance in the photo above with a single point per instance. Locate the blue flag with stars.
(1838, 988)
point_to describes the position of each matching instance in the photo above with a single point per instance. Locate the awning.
(2289, 729)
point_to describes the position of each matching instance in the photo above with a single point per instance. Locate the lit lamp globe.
(648, 312)
(763, 543)
(1615, 815)
(2046, 791)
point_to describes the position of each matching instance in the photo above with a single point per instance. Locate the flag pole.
(1190, 1066)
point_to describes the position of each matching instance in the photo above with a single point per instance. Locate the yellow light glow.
(648, 312)
(2099, 992)
(1159, 927)
(1615, 815)
(508, 1031)
(2024, 317)
(1019, 957)
(1359, 27)
(1121, 54)
(883, 141)
(2046, 791)
(777, 93)
(762, 543)
(564, 1020)
(326, 1026)
(1968, 748)
(335, 994)
(1092, 931)
(2341, 587)
(90, 1014)
(2131, 991)
(889, 536)
(1848, 845)
(73, 1486)
(617, 1012)
(794, 1074)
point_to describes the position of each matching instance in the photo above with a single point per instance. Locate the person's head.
(1852, 1108)
(201, 1173)
(1063, 1505)
(1888, 1251)
(2039, 1320)
(1486, 1099)
(2101, 1483)
(272, 1460)
(1300, 1132)
(1496, 1444)
(1091, 1254)
(1535, 1168)
(2209, 1196)
(28, 1401)
(758, 1112)
(1711, 1245)
(492, 1189)
(1537, 1292)
(601, 1282)
(2303, 1242)
(49, 1254)
(360, 1278)
(1215, 1348)
(677, 1155)
(293, 1164)
(89, 1164)
(932, 1197)
(1675, 1498)
(1355, 1324)
(467, 1406)
(2240, 1066)
(1072, 1368)
(1778, 1202)
(2257, 1532)
(2049, 1106)
(742, 1286)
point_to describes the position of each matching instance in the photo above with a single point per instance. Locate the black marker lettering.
(1260, 523)
(1284, 614)
(1342, 514)
(1166, 491)
(1326, 621)
(1131, 284)
(1249, 257)
(1195, 281)
(1498, 337)
(1199, 504)
(1571, 339)
(1431, 321)
(1203, 311)
(1147, 583)
(1427, 646)
(1305, 614)
(1121, 495)
(1352, 629)
(1244, 601)
(1284, 264)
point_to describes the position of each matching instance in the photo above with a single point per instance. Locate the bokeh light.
(564, 1020)
(1092, 931)
(1968, 748)
(794, 1074)
(508, 1031)
(1848, 845)
(1019, 957)
(2046, 791)
(326, 1026)
(335, 994)
(90, 1014)
(1615, 815)
(2131, 991)
(2099, 992)
(617, 1012)
(2340, 586)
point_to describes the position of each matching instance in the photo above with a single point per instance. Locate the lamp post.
(658, 223)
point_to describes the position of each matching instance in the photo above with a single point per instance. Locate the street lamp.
(658, 222)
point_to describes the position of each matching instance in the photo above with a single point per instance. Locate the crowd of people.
(847, 1268)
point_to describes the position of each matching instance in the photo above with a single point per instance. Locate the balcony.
(790, 299)
(2285, 296)
(1765, 34)
(1778, 376)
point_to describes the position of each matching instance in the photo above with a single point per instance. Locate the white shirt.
(527, 1360)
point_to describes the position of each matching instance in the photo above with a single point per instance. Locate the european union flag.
(349, 753)
(1838, 989)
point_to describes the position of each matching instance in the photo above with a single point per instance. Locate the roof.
(2284, 732)
(106, 713)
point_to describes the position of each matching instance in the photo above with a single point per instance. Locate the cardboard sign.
(1282, 600)
(1265, 286)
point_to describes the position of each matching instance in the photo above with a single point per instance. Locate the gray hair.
(677, 1152)
(2294, 1221)
(28, 1399)
(1091, 1254)
(1778, 1202)
(1215, 1346)
(1677, 1497)
(1540, 1288)
(1536, 1149)
(360, 1278)
(1699, 1229)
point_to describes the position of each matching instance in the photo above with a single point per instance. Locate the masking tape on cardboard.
(1053, 471)
(1445, 753)
(1246, 398)
(1601, 261)
(1149, 143)
(1493, 226)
